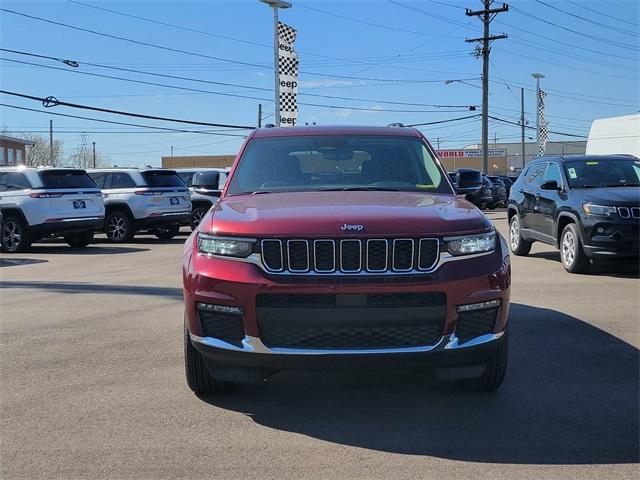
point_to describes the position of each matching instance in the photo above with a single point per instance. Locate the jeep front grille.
(350, 256)
(629, 212)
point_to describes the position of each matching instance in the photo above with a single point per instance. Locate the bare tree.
(83, 155)
(38, 154)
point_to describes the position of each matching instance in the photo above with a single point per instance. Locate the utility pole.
(522, 126)
(438, 142)
(259, 115)
(94, 154)
(537, 76)
(172, 150)
(50, 142)
(486, 16)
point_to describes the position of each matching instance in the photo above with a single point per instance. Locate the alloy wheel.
(117, 228)
(11, 235)
(568, 248)
(514, 234)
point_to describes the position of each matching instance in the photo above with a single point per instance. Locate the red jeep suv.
(344, 248)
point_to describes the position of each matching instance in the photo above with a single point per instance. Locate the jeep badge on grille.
(352, 227)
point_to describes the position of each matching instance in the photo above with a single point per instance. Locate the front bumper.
(254, 355)
(167, 218)
(67, 225)
(612, 240)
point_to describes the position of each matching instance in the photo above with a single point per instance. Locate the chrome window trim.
(266, 267)
(393, 255)
(254, 345)
(359, 269)
(386, 255)
(437, 259)
(306, 244)
(315, 256)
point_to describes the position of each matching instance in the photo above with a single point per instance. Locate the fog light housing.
(211, 307)
(478, 306)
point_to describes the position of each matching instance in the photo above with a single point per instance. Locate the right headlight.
(602, 210)
(226, 247)
(470, 244)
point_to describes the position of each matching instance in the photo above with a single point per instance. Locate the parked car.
(344, 247)
(45, 202)
(498, 192)
(507, 182)
(153, 200)
(205, 186)
(482, 197)
(588, 206)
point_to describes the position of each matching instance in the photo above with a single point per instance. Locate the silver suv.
(41, 202)
(205, 186)
(154, 200)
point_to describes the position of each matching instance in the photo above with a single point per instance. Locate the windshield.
(337, 162)
(161, 178)
(66, 179)
(603, 172)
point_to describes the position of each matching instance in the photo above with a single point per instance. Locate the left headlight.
(225, 246)
(471, 244)
(602, 210)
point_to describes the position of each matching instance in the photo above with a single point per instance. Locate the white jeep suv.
(155, 200)
(41, 202)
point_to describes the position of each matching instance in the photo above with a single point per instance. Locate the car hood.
(328, 214)
(618, 196)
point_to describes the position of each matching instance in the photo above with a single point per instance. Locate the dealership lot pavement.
(92, 384)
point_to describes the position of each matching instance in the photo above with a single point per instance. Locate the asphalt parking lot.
(92, 384)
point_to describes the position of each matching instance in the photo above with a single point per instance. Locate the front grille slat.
(350, 256)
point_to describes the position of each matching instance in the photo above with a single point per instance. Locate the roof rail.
(396, 124)
(269, 125)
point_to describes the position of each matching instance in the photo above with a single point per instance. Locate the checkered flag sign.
(544, 130)
(287, 75)
(286, 33)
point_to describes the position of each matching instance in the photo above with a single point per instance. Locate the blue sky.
(375, 51)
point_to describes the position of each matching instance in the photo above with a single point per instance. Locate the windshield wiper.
(361, 189)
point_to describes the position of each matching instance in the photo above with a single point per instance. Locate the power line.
(167, 129)
(586, 35)
(250, 87)
(600, 24)
(443, 121)
(339, 107)
(53, 102)
(603, 14)
(497, 119)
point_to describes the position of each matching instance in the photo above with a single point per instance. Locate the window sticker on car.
(572, 173)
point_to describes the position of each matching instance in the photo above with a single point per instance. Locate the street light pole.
(537, 76)
(276, 4)
(522, 126)
(94, 154)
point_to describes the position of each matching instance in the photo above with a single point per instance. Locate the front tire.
(196, 216)
(199, 379)
(574, 260)
(79, 239)
(496, 369)
(14, 236)
(517, 244)
(167, 232)
(118, 227)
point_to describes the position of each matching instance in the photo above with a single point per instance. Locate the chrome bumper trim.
(254, 345)
(78, 219)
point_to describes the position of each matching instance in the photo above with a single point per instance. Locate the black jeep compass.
(587, 206)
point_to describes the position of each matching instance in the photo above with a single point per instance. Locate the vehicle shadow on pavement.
(88, 250)
(15, 261)
(571, 396)
(624, 269)
(82, 287)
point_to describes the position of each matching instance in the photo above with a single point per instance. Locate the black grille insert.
(222, 326)
(402, 254)
(474, 323)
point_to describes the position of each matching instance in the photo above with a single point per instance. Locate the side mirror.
(550, 185)
(469, 181)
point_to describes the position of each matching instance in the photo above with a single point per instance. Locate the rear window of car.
(159, 178)
(66, 179)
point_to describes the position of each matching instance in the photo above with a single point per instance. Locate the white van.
(615, 135)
